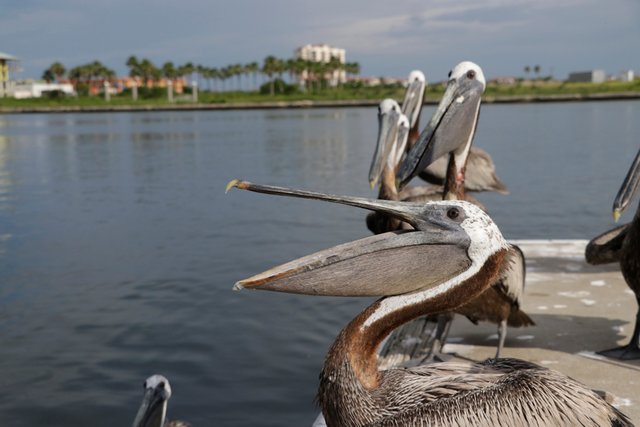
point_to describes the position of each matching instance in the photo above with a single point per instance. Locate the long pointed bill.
(387, 133)
(451, 126)
(408, 212)
(152, 411)
(385, 264)
(628, 189)
(412, 103)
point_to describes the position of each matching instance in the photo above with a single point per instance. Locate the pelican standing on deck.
(453, 254)
(449, 134)
(622, 244)
(482, 172)
(153, 409)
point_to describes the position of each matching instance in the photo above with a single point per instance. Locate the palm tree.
(536, 69)
(269, 67)
(334, 66)
(55, 72)
(253, 68)
(527, 70)
(352, 68)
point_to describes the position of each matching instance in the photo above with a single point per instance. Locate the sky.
(387, 38)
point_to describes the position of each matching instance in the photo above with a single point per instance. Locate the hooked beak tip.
(616, 215)
(238, 286)
(372, 183)
(236, 183)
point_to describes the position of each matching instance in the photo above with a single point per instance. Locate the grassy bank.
(521, 90)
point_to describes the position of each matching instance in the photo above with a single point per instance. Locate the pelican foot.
(436, 357)
(627, 352)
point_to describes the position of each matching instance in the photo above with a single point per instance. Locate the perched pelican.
(393, 130)
(622, 244)
(454, 253)
(449, 134)
(153, 410)
(481, 174)
(412, 103)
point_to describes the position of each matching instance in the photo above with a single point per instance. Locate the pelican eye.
(471, 74)
(161, 384)
(453, 213)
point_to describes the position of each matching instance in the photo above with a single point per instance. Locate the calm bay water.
(119, 248)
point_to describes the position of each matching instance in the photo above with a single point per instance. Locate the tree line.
(240, 77)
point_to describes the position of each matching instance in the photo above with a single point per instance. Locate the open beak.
(385, 264)
(451, 126)
(628, 189)
(387, 134)
(152, 411)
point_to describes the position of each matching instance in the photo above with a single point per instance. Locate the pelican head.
(452, 126)
(451, 238)
(628, 189)
(414, 95)
(153, 410)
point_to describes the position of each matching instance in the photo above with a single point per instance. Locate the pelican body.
(449, 135)
(622, 244)
(454, 253)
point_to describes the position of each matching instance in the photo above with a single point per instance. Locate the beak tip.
(238, 286)
(236, 183)
(616, 215)
(372, 183)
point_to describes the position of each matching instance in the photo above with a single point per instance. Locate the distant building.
(322, 53)
(593, 76)
(21, 90)
(627, 76)
(5, 60)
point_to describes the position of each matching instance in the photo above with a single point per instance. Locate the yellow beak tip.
(235, 183)
(616, 215)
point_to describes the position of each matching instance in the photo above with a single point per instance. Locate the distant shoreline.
(520, 99)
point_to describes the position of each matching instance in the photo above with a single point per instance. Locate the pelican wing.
(605, 248)
(386, 264)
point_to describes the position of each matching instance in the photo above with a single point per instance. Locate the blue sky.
(386, 37)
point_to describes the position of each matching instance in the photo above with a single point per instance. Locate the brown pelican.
(449, 134)
(481, 175)
(454, 253)
(153, 410)
(622, 244)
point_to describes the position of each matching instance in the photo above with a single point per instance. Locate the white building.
(35, 90)
(593, 76)
(322, 53)
(627, 76)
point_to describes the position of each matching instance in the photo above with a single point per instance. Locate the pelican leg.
(434, 353)
(630, 351)
(502, 334)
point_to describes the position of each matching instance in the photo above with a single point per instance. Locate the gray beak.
(152, 411)
(412, 104)
(451, 127)
(387, 134)
(385, 264)
(628, 189)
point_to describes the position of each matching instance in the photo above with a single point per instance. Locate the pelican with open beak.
(453, 254)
